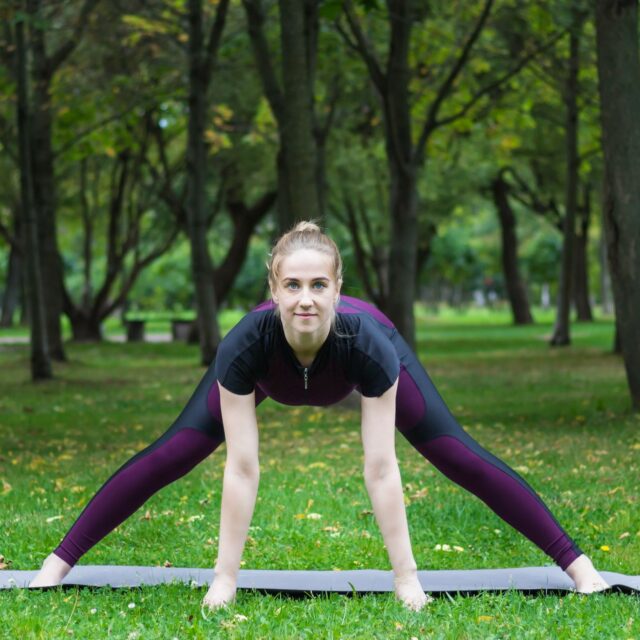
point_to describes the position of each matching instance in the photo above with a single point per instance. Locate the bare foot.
(51, 574)
(409, 591)
(221, 593)
(585, 576)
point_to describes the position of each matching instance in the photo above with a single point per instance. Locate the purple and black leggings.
(422, 417)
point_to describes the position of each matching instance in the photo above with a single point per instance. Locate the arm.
(382, 479)
(240, 486)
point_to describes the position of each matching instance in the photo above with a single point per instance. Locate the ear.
(338, 287)
(274, 297)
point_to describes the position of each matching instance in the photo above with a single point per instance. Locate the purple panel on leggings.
(131, 487)
(347, 304)
(264, 306)
(410, 404)
(502, 493)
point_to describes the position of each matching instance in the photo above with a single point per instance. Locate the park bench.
(181, 327)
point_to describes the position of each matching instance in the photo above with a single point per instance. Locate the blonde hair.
(305, 235)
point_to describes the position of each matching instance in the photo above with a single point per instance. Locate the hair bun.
(307, 226)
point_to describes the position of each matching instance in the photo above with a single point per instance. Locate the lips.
(305, 315)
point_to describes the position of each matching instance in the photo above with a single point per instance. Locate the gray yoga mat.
(526, 579)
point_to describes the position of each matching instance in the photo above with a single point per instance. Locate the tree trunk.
(11, 295)
(581, 264)
(86, 328)
(201, 266)
(87, 244)
(403, 254)
(605, 281)
(299, 163)
(44, 187)
(299, 147)
(244, 218)
(403, 171)
(619, 81)
(562, 330)
(40, 358)
(516, 289)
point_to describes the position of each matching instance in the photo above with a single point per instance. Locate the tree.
(447, 101)
(202, 58)
(561, 331)
(136, 232)
(516, 289)
(46, 63)
(302, 134)
(40, 358)
(619, 80)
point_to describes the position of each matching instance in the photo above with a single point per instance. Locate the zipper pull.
(306, 378)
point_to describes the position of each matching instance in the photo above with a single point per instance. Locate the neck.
(306, 345)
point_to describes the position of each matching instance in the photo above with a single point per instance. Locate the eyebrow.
(297, 279)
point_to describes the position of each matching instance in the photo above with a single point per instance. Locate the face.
(306, 292)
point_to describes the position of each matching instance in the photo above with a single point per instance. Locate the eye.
(319, 285)
(292, 285)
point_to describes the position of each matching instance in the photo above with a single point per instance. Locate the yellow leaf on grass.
(485, 618)
(6, 487)
(605, 547)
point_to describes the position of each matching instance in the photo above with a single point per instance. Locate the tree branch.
(271, 87)
(523, 62)
(66, 48)
(364, 48)
(446, 86)
(215, 37)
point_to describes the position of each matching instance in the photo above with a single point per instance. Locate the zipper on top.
(306, 378)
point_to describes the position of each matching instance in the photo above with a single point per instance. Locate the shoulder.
(250, 329)
(374, 361)
(241, 354)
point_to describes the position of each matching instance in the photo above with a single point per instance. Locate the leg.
(191, 438)
(426, 422)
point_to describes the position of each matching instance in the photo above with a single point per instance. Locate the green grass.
(559, 416)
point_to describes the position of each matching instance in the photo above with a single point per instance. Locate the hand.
(409, 591)
(221, 593)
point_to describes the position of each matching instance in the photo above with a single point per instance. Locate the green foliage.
(138, 66)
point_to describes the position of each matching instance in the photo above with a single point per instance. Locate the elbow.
(245, 468)
(380, 470)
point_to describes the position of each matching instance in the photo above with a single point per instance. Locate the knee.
(455, 460)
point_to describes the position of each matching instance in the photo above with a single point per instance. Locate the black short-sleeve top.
(360, 355)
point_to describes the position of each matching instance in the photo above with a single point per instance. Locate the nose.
(305, 298)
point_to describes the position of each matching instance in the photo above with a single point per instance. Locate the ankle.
(55, 564)
(579, 566)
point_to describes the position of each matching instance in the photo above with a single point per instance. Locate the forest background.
(458, 152)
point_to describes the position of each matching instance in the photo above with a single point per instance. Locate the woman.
(311, 346)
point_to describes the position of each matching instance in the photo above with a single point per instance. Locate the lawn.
(558, 416)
